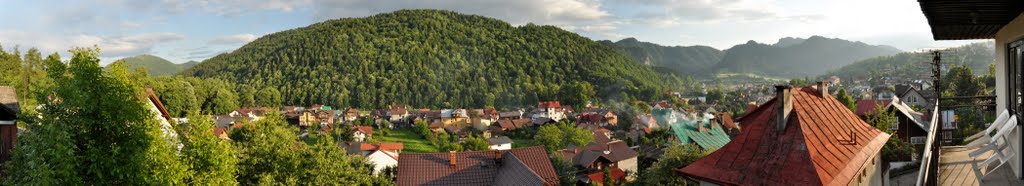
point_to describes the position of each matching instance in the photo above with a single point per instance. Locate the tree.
(246, 95)
(663, 171)
(564, 169)
(178, 96)
(223, 101)
(476, 143)
(211, 159)
(268, 152)
(99, 132)
(268, 97)
(607, 175)
(578, 93)
(551, 137)
(894, 148)
(845, 98)
(560, 135)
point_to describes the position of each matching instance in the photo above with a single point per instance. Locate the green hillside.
(432, 58)
(916, 65)
(156, 66)
(795, 57)
(683, 59)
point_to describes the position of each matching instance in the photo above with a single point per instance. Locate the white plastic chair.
(983, 137)
(997, 144)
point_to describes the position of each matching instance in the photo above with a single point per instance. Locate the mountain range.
(789, 57)
(432, 58)
(156, 66)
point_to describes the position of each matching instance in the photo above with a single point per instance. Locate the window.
(917, 140)
(895, 125)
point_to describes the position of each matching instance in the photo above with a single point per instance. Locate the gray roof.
(499, 140)
(9, 99)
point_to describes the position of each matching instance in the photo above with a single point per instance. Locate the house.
(382, 155)
(910, 125)
(9, 110)
(595, 157)
(520, 166)
(912, 97)
(500, 143)
(436, 126)
(551, 110)
(454, 117)
(161, 115)
(351, 114)
(728, 124)
(866, 106)
(803, 136)
(221, 132)
(399, 114)
(361, 133)
(510, 115)
(1000, 20)
(307, 119)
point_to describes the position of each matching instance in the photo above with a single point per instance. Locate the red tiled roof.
(815, 148)
(867, 106)
(727, 121)
(506, 124)
(522, 122)
(476, 167)
(549, 104)
(365, 129)
(598, 177)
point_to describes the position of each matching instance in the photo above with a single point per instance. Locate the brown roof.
(726, 121)
(151, 95)
(435, 125)
(365, 129)
(506, 124)
(549, 104)
(823, 143)
(520, 166)
(867, 106)
(9, 99)
(522, 122)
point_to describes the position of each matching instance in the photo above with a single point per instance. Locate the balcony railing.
(929, 171)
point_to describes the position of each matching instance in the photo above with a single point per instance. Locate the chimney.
(783, 105)
(497, 157)
(823, 88)
(451, 158)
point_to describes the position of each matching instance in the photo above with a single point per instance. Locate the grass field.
(413, 142)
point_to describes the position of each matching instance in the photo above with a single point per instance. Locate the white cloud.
(109, 46)
(233, 39)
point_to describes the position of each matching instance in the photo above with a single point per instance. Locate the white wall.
(506, 146)
(628, 165)
(1011, 32)
(381, 161)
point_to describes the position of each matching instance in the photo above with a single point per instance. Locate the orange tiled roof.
(811, 150)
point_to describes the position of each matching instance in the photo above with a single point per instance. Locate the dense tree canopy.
(429, 58)
(99, 132)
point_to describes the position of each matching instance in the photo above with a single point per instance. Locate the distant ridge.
(156, 66)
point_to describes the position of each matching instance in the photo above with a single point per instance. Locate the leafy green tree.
(847, 101)
(178, 96)
(211, 160)
(99, 132)
(663, 171)
(894, 148)
(551, 137)
(268, 152)
(268, 97)
(607, 176)
(223, 102)
(476, 143)
(564, 169)
(246, 95)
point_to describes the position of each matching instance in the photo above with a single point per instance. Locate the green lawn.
(413, 142)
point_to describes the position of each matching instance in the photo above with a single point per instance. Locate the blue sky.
(183, 30)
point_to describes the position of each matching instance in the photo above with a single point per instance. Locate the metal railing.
(929, 171)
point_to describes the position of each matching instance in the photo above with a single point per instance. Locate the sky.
(184, 30)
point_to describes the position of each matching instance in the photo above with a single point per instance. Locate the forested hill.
(796, 57)
(431, 58)
(154, 65)
(915, 65)
(683, 59)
